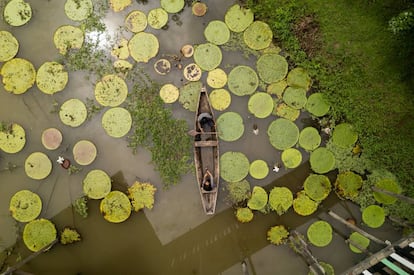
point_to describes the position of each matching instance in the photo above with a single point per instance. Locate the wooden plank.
(206, 143)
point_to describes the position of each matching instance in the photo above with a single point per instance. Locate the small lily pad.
(317, 105)
(259, 169)
(291, 158)
(322, 160)
(136, 21)
(208, 56)
(143, 46)
(299, 77)
(230, 126)
(320, 233)
(303, 205)
(260, 105)
(348, 184)
(68, 37)
(115, 207)
(280, 199)
(242, 80)
(120, 50)
(51, 138)
(220, 99)
(189, 95)
(217, 32)
(388, 185)
(117, 122)
(234, 166)
(12, 141)
(157, 18)
(277, 88)
(295, 97)
(277, 235)
(39, 233)
(9, 46)
(169, 93)
(283, 133)
(258, 35)
(172, 6)
(111, 90)
(272, 67)
(192, 72)
(216, 78)
(73, 112)
(238, 18)
(51, 77)
(78, 10)
(309, 139)
(244, 214)
(119, 5)
(344, 135)
(285, 111)
(17, 13)
(258, 199)
(373, 216)
(199, 8)
(360, 240)
(187, 50)
(25, 206)
(317, 187)
(18, 75)
(84, 152)
(96, 184)
(38, 166)
(162, 66)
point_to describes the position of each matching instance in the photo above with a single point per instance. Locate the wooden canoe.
(206, 152)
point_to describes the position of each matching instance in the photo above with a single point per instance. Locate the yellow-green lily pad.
(208, 56)
(169, 93)
(136, 21)
(78, 10)
(17, 13)
(309, 139)
(111, 91)
(260, 105)
(320, 233)
(220, 99)
(157, 18)
(217, 32)
(51, 77)
(303, 205)
(163, 66)
(97, 184)
(373, 216)
(285, 111)
(317, 187)
(84, 152)
(9, 46)
(259, 169)
(117, 122)
(142, 195)
(258, 35)
(322, 160)
(119, 5)
(38, 166)
(13, 140)
(244, 214)
(73, 112)
(242, 80)
(230, 126)
(234, 166)
(272, 67)
(192, 72)
(25, 206)
(238, 18)
(283, 133)
(280, 199)
(299, 77)
(39, 233)
(172, 6)
(68, 37)
(317, 105)
(115, 207)
(360, 240)
(120, 50)
(291, 158)
(258, 199)
(18, 75)
(189, 95)
(295, 97)
(143, 46)
(277, 88)
(216, 78)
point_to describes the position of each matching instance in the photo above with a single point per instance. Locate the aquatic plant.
(17, 13)
(344, 135)
(258, 35)
(73, 169)
(217, 32)
(39, 233)
(73, 112)
(198, 8)
(272, 67)
(242, 80)
(157, 18)
(236, 43)
(359, 240)
(220, 99)
(238, 18)
(25, 206)
(283, 133)
(92, 108)
(303, 205)
(234, 166)
(37, 166)
(216, 78)
(277, 235)
(208, 56)
(282, 110)
(317, 105)
(299, 77)
(162, 66)
(69, 235)
(143, 46)
(295, 97)
(169, 93)
(322, 160)
(68, 37)
(238, 192)
(117, 122)
(260, 105)
(136, 21)
(373, 216)
(78, 10)
(317, 187)
(142, 195)
(119, 5)
(309, 138)
(244, 214)
(12, 138)
(172, 6)
(18, 74)
(192, 72)
(259, 198)
(320, 233)
(81, 207)
(115, 207)
(277, 88)
(51, 77)
(9, 46)
(96, 184)
(111, 90)
(258, 169)
(291, 158)
(329, 270)
(189, 95)
(348, 184)
(84, 152)
(389, 185)
(230, 126)
(280, 199)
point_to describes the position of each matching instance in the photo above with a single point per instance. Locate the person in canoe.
(208, 182)
(205, 122)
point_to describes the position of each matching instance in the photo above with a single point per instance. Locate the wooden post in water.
(392, 194)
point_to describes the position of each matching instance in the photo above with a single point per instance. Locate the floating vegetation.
(260, 105)
(258, 35)
(234, 166)
(291, 158)
(280, 199)
(119, 5)
(284, 111)
(157, 18)
(239, 191)
(192, 72)
(322, 160)
(92, 108)
(277, 88)
(136, 21)
(189, 94)
(360, 240)
(81, 207)
(73, 112)
(387, 185)
(299, 77)
(162, 66)
(208, 56)
(329, 270)
(272, 67)
(84, 152)
(230, 126)
(17, 13)
(277, 235)
(259, 169)
(51, 138)
(172, 6)
(220, 99)
(317, 187)
(12, 138)
(142, 195)
(78, 10)
(51, 77)
(187, 51)
(9, 46)
(216, 78)
(348, 184)
(295, 97)
(344, 135)
(317, 105)
(25, 206)
(143, 46)
(68, 37)
(258, 199)
(236, 43)
(120, 49)
(96, 184)
(283, 133)
(309, 139)
(69, 235)
(38, 166)
(320, 233)
(244, 214)
(303, 205)
(217, 32)
(39, 233)
(117, 122)
(373, 216)
(242, 80)
(115, 207)
(238, 18)
(111, 91)
(18, 75)
(169, 93)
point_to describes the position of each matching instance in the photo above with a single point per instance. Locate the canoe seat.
(205, 143)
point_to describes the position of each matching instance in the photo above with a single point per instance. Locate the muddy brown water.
(175, 237)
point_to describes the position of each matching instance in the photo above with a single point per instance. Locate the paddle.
(194, 133)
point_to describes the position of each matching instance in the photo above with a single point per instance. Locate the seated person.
(205, 122)
(208, 182)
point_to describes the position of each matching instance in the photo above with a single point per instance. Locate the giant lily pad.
(359, 240)
(157, 18)
(142, 195)
(291, 158)
(169, 93)
(272, 67)
(283, 133)
(117, 122)
(9, 46)
(51, 77)
(216, 78)
(230, 126)
(344, 135)
(192, 72)
(348, 184)
(38, 166)
(303, 205)
(260, 105)
(295, 97)
(388, 185)
(280, 199)
(322, 160)
(73, 112)
(13, 140)
(277, 234)
(143, 46)
(259, 198)
(285, 111)
(317, 105)
(220, 99)
(258, 35)
(208, 56)
(111, 90)
(115, 207)
(238, 18)
(68, 37)
(25, 206)
(84, 152)
(299, 77)
(39, 233)
(51, 138)
(243, 80)
(317, 187)
(18, 75)
(277, 88)
(136, 21)
(17, 13)
(96, 184)
(119, 5)
(120, 50)
(189, 95)
(259, 169)
(309, 139)
(244, 214)
(217, 32)
(320, 233)
(172, 6)
(78, 10)
(234, 166)
(373, 216)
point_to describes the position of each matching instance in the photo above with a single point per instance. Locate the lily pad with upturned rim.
(388, 185)
(117, 122)
(284, 111)
(115, 207)
(260, 105)
(96, 184)
(216, 78)
(192, 72)
(234, 166)
(283, 133)
(303, 205)
(259, 169)
(272, 67)
(360, 240)
(295, 97)
(136, 21)
(230, 126)
(169, 93)
(25, 206)
(348, 184)
(111, 90)
(13, 141)
(299, 77)
(280, 199)
(38, 166)
(344, 135)
(217, 32)
(68, 37)
(277, 88)
(258, 199)
(309, 139)
(199, 8)
(189, 95)
(320, 233)
(19, 75)
(317, 187)
(317, 105)
(373, 216)
(322, 160)
(242, 80)
(39, 233)
(220, 99)
(78, 10)
(142, 195)
(9, 46)
(244, 214)
(84, 152)
(51, 138)
(73, 112)
(172, 6)
(277, 235)
(238, 18)
(51, 77)
(16, 13)
(119, 5)
(157, 18)
(258, 35)
(143, 46)
(291, 158)
(208, 56)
